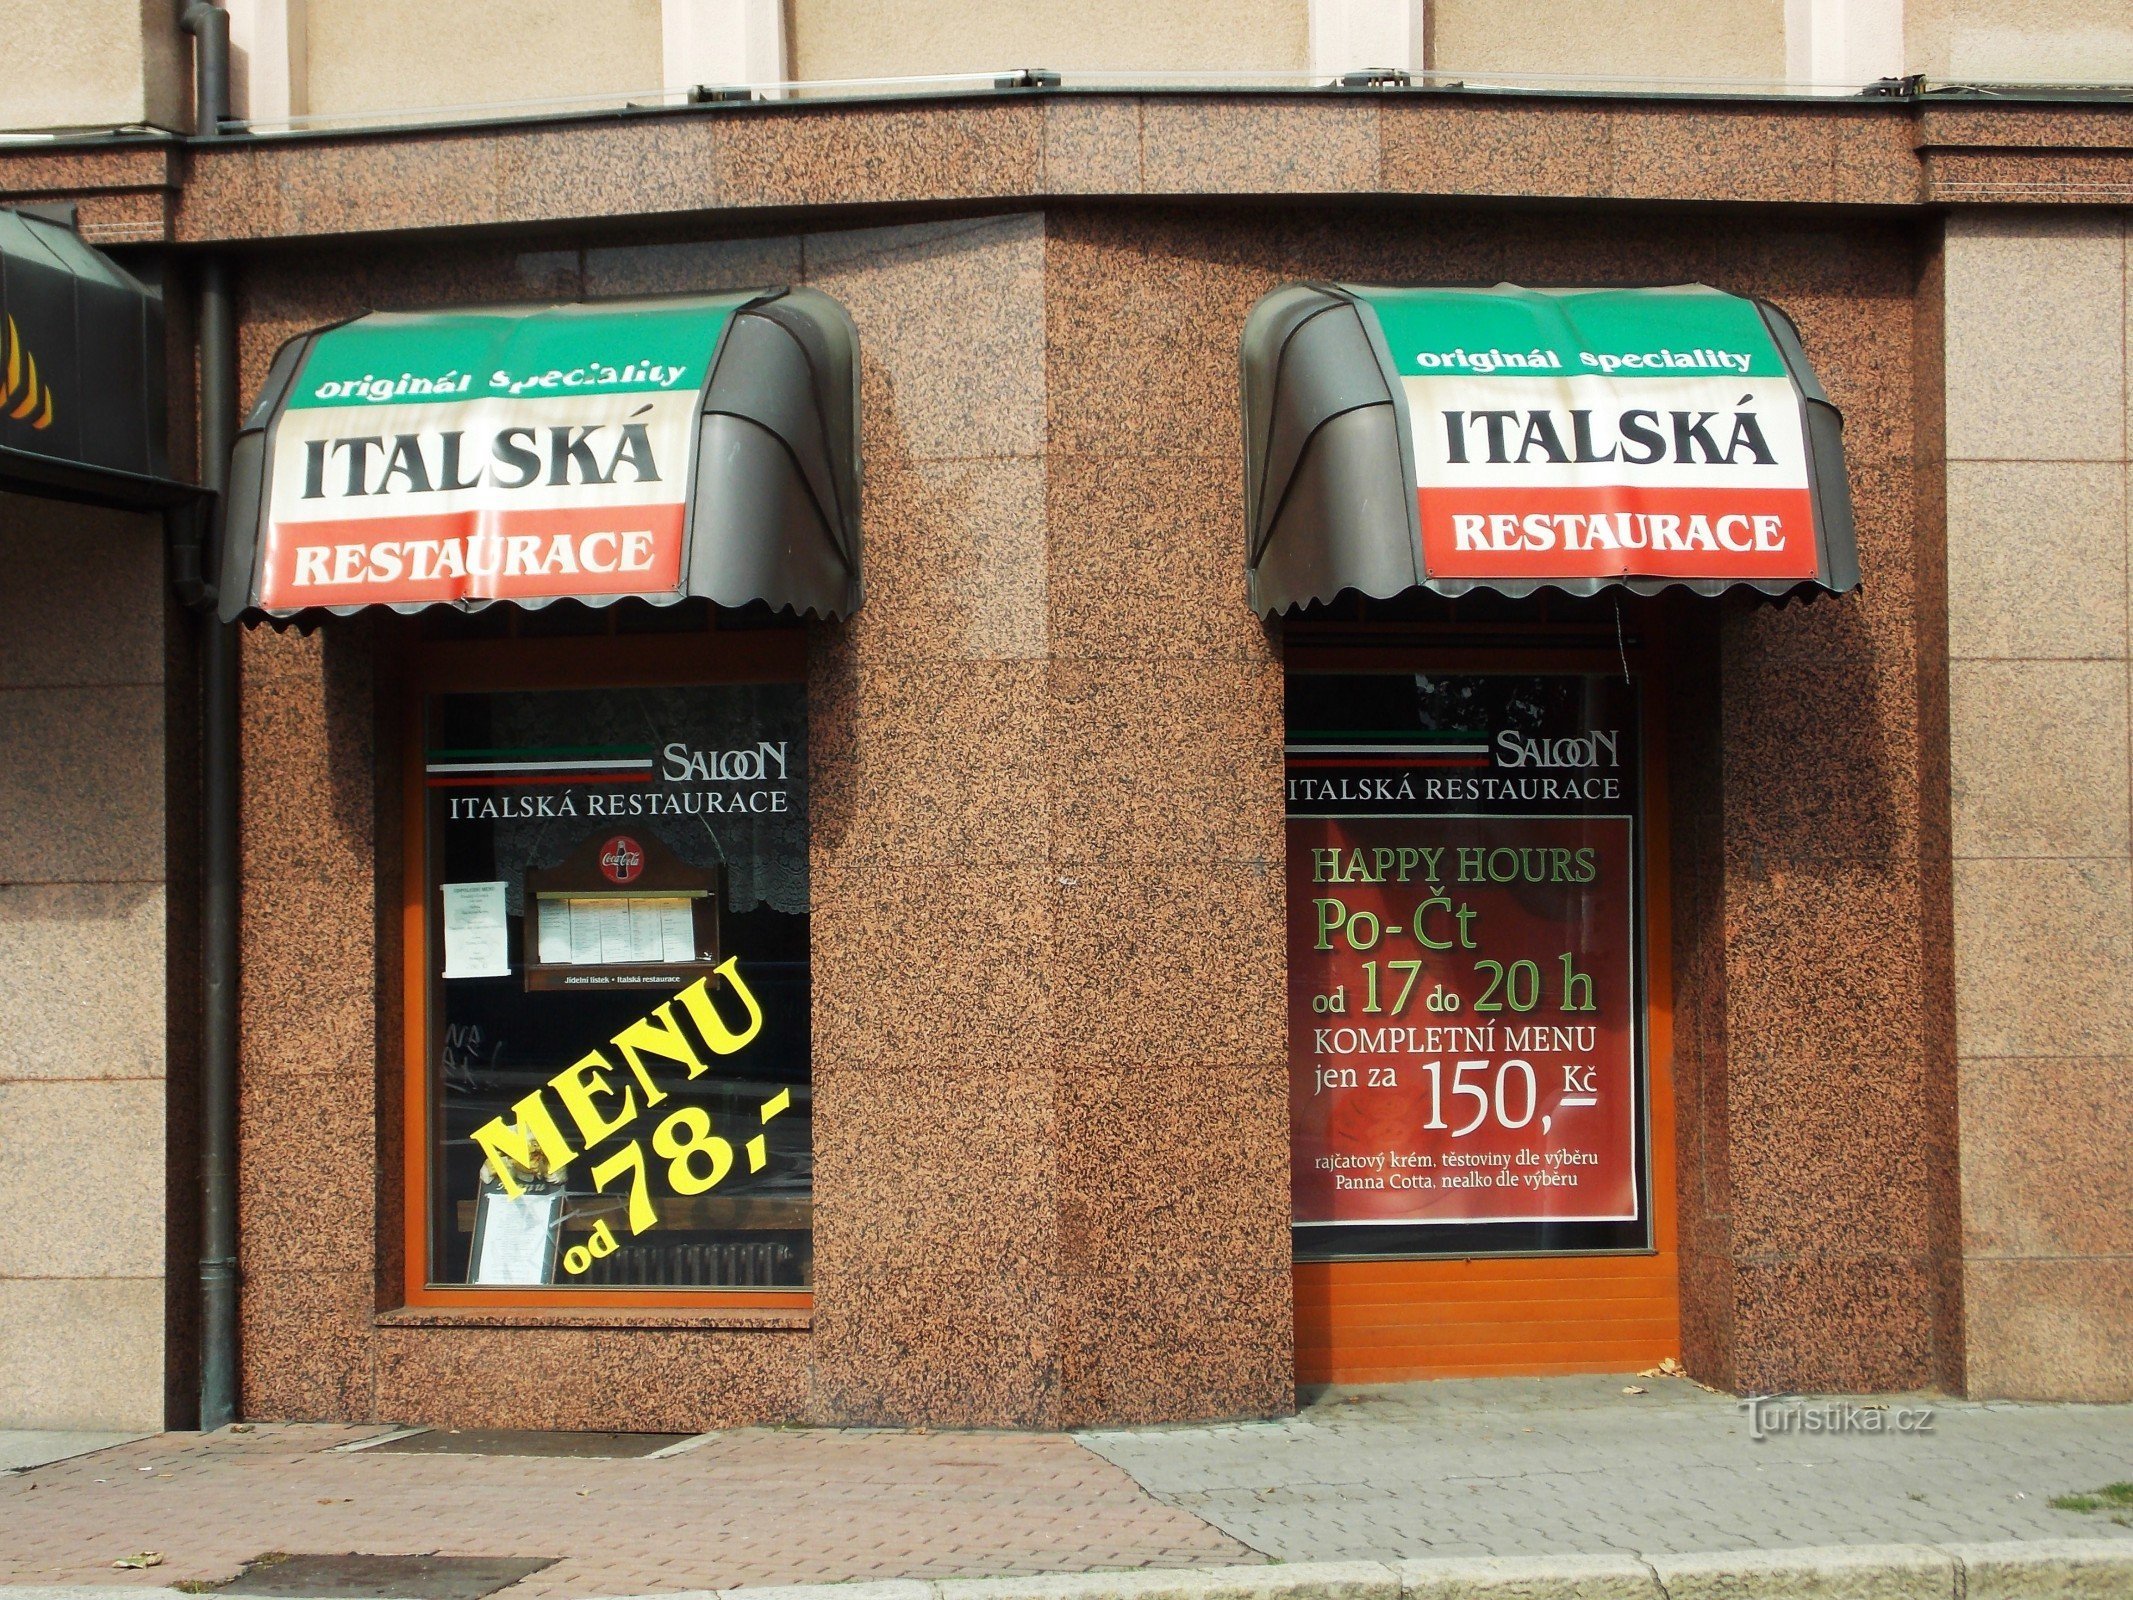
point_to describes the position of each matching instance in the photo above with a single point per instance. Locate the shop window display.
(617, 1082)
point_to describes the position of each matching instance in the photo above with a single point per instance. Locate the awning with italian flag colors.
(698, 446)
(1513, 439)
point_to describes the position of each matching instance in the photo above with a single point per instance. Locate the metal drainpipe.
(210, 27)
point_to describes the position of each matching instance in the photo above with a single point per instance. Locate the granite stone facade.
(1048, 1031)
(1049, 1042)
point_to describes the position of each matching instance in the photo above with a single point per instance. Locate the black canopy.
(81, 356)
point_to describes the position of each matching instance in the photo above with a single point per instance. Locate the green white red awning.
(703, 446)
(1513, 439)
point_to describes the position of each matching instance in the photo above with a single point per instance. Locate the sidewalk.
(1532, 1468)
(1514, 1467)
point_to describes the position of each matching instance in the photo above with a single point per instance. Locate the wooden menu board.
(621, 911)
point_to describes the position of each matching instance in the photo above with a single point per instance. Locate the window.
(1466, 974)
(614, 1093)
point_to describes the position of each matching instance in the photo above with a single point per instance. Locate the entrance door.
(1478, 1037)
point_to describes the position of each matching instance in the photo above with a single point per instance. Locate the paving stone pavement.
(33, 1447)
(755, 1506)
(1533, 1466)
(1526, 1467)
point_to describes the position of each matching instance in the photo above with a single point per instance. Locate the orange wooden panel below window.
(1387, 1321)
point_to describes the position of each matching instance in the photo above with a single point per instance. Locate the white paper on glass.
(477, 937)
(613, 917)
(645, 932)
(584, 932)
(514, 1236)
(678, 918)
(553, 932)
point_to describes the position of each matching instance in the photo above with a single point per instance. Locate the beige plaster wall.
(2038, 631)
(401, 55)
(889, 38)
(82, 1099)
(1730, 39)
(92, 64)
(2078, 41)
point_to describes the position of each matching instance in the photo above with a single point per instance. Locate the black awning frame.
(81, 340)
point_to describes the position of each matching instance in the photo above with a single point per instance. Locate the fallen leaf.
(1634, 1388)
(1672, 1368)
(147, 1558)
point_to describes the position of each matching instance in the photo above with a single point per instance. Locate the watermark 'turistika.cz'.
(1773, 1414)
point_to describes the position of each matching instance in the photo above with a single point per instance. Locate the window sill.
(769, 1319)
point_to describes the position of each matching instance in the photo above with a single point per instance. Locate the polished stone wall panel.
(1817, 767)
(1152, 1346)
(1049, 1024)
(89, 886)
(2049, 1327)
(2035, 393)
(939, 1167)
(955, 560)
(1148, 565)
(85, 966)
(660, 1380)
(939, 1346)
(2039, 1183)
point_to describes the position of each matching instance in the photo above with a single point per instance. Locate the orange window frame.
(1396, 1319)
(492, 665)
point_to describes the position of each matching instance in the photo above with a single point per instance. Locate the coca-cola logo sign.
(622, 859)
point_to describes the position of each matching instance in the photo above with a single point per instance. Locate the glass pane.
(619, 1026)
(1466, 1011)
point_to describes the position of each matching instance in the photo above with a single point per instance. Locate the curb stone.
(1610, 1577)
(2047, 1569)
(1299, 1580)
(2036, 1569)
(1845, 1572)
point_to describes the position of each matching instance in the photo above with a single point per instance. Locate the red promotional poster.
(1466, 988)
(1461, 987)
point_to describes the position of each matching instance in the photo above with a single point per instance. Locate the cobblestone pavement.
(748, 1507)
(1540, 1466)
